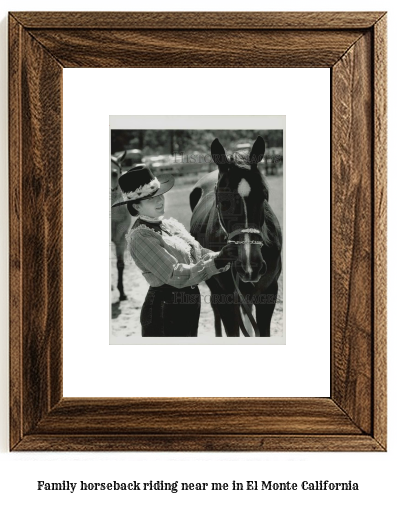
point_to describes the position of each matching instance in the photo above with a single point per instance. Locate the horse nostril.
(263, 268)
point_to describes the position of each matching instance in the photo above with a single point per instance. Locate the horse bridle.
(239, 231)
(235, 275)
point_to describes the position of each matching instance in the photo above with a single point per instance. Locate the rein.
(247, 309)
(235, 276)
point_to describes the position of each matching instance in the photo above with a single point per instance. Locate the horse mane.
(241, 160)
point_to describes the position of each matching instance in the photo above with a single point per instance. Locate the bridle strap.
(219, 214)
(237, 232)
(244, 231)
(247, 309)
(236, 277)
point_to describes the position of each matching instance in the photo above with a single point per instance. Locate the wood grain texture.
(173, 416)
(196, 48)
(352, 258)
(354, 46)
(199, 443)
(200, 20)
(15, 228)
(380, 230)
(36, 190)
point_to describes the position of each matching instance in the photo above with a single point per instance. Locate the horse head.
(241, 193)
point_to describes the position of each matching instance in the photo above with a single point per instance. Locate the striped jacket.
(168, 254)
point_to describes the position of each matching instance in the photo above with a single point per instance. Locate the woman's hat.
(139, 183)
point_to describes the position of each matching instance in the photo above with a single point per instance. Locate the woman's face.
(152, 207)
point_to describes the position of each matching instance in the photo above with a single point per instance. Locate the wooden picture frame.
(353, 46)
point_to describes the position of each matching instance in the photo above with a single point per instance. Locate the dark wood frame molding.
(353, 46)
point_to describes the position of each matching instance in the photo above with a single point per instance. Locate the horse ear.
(121, 157)
(218, 154)
(258, 150)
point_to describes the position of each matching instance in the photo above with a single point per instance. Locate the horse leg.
(120, 268)
(114, 296)
(224, 308)
(246, 321)
(264, 311)
(217, 320)
(230, 319)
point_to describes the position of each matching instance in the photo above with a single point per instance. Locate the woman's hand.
(229, 253)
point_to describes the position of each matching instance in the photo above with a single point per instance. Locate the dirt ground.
(125, 314)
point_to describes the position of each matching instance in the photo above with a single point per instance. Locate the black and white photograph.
(196, 227)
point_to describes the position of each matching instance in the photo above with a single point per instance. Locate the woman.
(171, 260)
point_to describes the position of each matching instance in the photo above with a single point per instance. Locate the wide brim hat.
(139, 183)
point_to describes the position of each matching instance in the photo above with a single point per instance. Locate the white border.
(91, 366)
(218, 122)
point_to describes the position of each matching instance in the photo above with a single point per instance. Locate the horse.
(121, 221)
(232, 205)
